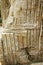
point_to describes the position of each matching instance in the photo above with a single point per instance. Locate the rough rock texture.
(20, 12)
(20, 38)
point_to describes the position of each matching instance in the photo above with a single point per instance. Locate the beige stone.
(21, 31)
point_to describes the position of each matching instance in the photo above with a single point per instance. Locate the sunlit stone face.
(11, 1)
(0, 63)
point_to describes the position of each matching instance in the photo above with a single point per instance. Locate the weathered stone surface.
(21, 31)
(20, 13)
